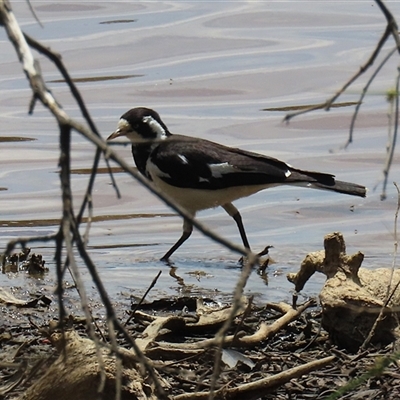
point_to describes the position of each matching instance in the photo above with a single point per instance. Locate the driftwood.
(82, 371)
(254, 390)
(86, 368)
(210, 319)
(352, 297)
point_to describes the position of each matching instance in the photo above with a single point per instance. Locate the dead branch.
(154, 281)
(69, 224)
(259, 387)
(57, 60)
(220, 337)
(40, 91)
(263, 332)
(77, 375)
(353, 297)
(390, 291)
(392, 144)
(391, 29)
(363, 94)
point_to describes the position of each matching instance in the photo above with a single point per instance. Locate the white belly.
(198, 199)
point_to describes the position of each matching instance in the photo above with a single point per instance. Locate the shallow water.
(208, 68)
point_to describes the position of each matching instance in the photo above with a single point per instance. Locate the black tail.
(343, 187)
(326, 182)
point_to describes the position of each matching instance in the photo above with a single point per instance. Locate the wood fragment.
(259, 387)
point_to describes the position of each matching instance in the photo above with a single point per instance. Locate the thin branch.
(392, 145)
(364, 92)
(389, 291)
(34, 13)
(396, 242)
(59, 271)
(362, 69)
(89, 218)
(40, 90)
(391, 29)
(153, 283)
(391, 22)
(23, 241)
(112, 317)
(57, 60)
(261, 387)
(220, 335)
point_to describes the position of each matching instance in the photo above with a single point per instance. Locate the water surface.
(208, 68)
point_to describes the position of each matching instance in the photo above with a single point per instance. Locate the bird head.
(141, 124)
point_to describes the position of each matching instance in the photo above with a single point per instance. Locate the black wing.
(200, 164)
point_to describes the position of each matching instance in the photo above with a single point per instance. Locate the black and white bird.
(199, 174)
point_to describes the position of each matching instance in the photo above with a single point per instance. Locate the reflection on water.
(96, 218)
(208, 68)
(96, 78)
(314, 106)
(6, 139)
(118, 21)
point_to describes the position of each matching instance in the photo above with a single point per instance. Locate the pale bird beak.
(116, 134)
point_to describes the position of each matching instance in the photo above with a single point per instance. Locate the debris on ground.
(352, 297)
(271, 351)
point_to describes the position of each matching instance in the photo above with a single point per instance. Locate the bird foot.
(262, 253)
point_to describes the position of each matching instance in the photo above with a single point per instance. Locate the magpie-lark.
(201, 174)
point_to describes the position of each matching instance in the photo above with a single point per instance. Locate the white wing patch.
(155, 127)
(183, 159)
(288, 173)
(217, 170)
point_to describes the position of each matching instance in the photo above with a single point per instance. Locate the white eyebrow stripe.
(155, 126)
(123, 125)
(217, 170)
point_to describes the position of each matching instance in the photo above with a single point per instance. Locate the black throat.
(141, 153)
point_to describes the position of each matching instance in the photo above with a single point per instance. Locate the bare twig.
(220, 336)
(89, 218)
(391, 23)
(153, 283)
(363, 94)
(390, 30)
(104, 148)
(40, 90)
(69, 223)
(56, 58)
(263, 332)
(257, 389)
(34, 13)
(392, 143)
(362, 69)
(23, 241)
(389, 292)
(111, 314)
(31, 68)
(379, 367)
(396, 242)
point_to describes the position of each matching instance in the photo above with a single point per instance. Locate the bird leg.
(235, 214)
(187, 231)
